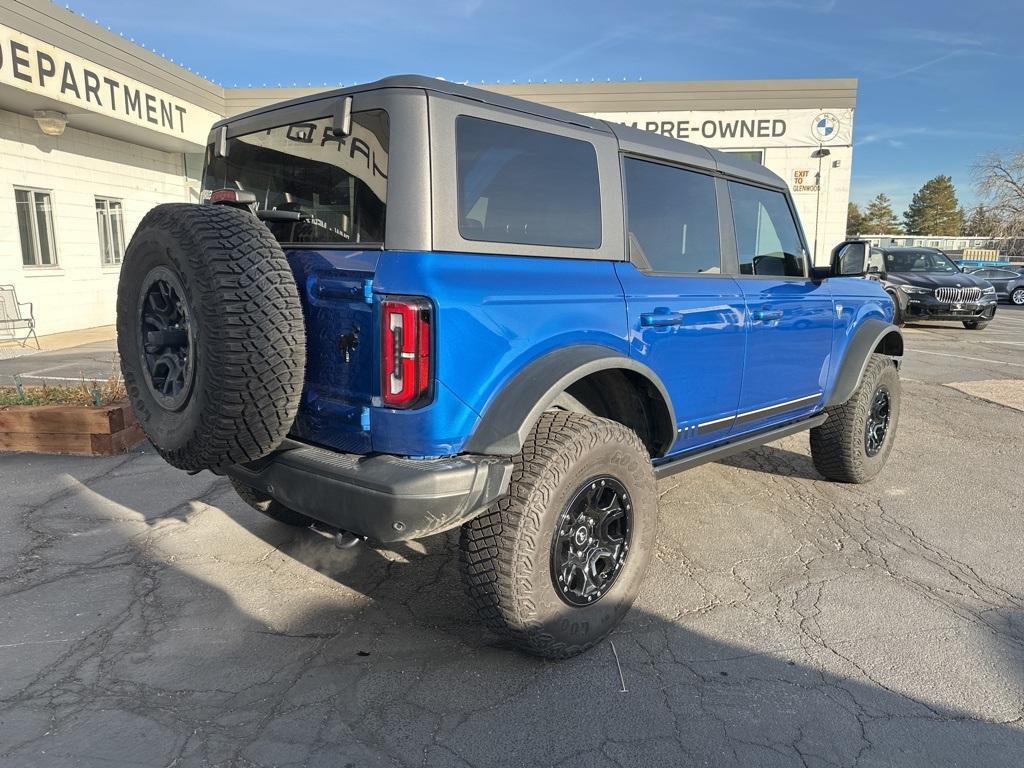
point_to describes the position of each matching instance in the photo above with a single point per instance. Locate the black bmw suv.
(925, 285)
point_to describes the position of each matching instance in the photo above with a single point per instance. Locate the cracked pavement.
(150, 618)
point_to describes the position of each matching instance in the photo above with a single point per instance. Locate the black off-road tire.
(270, 507)
(975, 325)
(505, 555)
(838, 447)
(246, 331)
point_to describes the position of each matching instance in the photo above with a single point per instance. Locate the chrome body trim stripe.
(757, 413)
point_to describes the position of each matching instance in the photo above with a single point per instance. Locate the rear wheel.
(854, 443)
(975, 325)
(555, 564)
(270, 507)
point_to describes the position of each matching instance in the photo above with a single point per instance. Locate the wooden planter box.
(103, 431)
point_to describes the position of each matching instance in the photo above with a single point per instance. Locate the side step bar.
(691, 460)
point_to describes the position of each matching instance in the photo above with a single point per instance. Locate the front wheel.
(556, 563)
(854, 443)
(975, 325)
(1017, 297)
(897, 315)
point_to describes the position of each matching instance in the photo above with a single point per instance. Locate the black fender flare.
(508, 419)
(873, 334)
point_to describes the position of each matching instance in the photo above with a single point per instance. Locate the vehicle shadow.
(773, 460)
(153, 619)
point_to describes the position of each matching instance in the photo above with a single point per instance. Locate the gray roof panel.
(458, 90)
(655, 145)
(630, 139)
(642, 142)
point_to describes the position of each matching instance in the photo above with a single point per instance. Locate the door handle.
(660, 319)
(766, 315)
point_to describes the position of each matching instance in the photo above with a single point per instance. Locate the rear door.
(685, 312)
(323, 196)
(790, 317)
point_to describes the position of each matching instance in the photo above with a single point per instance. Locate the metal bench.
(14, 316)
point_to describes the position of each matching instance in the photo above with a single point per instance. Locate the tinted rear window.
(338, 184)
(517, 185)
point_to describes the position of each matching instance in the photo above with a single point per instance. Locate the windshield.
(323, 188)
(931, 262)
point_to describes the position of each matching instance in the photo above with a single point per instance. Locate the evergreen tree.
(854, 220)
(879, 217)
(934, 209)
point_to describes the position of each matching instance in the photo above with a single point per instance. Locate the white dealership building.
(95, 130)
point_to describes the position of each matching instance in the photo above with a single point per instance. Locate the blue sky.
(941, 83)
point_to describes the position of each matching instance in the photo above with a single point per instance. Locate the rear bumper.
(382, 497)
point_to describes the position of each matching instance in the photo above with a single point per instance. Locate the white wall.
(822, 212)
(77, 167)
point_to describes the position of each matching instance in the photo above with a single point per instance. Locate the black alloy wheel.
(591, 541)
(166, 339)
(878, 422)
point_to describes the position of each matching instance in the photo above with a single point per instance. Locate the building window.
(753, 155)
(35, 225)
(110, 223)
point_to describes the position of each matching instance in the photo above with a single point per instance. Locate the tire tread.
(243, 295)
(495, 548)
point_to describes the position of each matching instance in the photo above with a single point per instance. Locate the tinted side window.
(672, 216)
(517, 185)
(766, 234)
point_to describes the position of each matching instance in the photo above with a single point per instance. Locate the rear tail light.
(406, 344)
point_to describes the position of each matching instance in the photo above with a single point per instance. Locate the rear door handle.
(660, 319)
(766, 315)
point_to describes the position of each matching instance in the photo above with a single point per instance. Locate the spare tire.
(211, 335)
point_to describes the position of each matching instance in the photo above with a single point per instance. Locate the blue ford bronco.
(410, 306)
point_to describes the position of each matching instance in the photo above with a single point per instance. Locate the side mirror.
(850, 258)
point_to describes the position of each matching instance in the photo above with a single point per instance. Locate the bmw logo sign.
(825, 126)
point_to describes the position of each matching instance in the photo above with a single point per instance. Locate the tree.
(934, 209)
(980, 223)
(1000, 183)
(854, 220)
(879, 218)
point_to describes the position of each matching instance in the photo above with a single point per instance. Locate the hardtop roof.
(630, 139)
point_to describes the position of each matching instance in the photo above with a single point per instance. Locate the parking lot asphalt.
(149, 618)
(94, 361)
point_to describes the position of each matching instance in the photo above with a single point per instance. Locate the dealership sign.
(37, 67)
(746, 129)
